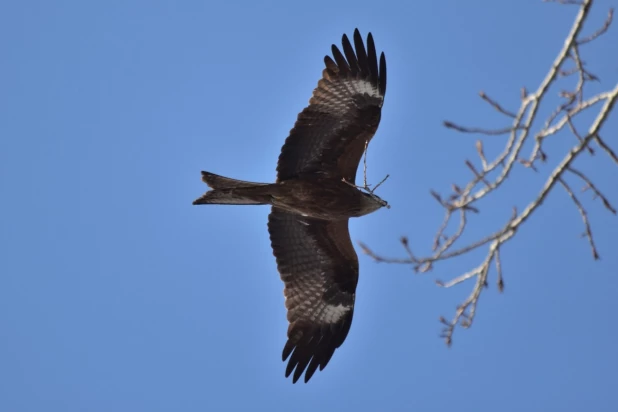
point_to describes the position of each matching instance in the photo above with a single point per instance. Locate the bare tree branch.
(478, 130)
(496, 105)
(597, 192)
(366, 186)
(608, 149)
(493, 173)
(602, 29)
(584, 215)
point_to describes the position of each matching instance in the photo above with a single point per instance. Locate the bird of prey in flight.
(312, 199)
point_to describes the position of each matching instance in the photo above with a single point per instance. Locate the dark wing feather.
(344, 112)
(342, 65)
(373, 63)
(361, 54)
(348, 50)
(319, 268)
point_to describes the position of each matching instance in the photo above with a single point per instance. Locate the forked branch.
(366, 187)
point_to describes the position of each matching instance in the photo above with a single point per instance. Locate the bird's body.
(313, 198)
(339, 200)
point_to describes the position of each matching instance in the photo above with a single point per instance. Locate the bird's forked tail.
(226, 191)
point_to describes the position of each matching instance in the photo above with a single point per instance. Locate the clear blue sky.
(116, 294)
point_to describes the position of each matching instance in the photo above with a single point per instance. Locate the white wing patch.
(365, 86)
(332, 313)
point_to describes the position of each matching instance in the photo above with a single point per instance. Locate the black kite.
(312, 200)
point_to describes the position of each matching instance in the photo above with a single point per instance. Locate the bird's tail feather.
(228, 191)
(219, 182)
(231, 197)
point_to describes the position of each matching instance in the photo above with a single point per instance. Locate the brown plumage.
(311, 204)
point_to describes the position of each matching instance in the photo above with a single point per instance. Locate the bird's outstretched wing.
(344, 111)
(319, 268)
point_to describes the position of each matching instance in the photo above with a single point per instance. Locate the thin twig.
(596, 191)
(600, 31)
(607, 149)
(584, 215)
(577, 135)
(496, 105)
(499, 279)
(489, 132)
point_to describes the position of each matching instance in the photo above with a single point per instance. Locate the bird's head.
(377, 200)
(369, 200)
